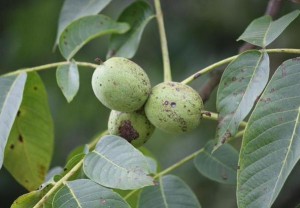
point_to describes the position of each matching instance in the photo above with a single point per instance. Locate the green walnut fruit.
(134, 126)
(174, 107)
(121, 85)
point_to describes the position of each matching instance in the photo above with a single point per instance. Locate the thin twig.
(163, 41)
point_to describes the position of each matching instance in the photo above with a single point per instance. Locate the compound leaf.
(271, 147)
(30, 145)
(11, 94)
(115, 163)
(263, 31)
(85, 29)
(241, 83)
(170, 192)
(137, 15)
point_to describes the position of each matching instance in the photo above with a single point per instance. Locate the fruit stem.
(163, 41)
(227, 60)
(55, 187)
(47, 66)
(214, 116)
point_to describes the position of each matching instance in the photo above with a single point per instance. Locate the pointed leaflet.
(241, 83)
(262, 31)
(171, 192)
(83, 30)
(67, 77)
(137, 15)
(115, 163)
(75, 9)
(271, 144)
(11, 93)
(27, 200)
(29, 148)
(85, 193)
(220, 166)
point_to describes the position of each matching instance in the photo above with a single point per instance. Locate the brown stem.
(272, 10)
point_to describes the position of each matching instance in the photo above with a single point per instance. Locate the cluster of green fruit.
(125, 88)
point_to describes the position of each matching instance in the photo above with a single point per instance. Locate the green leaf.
(85, 193)
(271, 146)
(83, 30)
(170, 192)
(27, 200)
(30, 145)
(263, 31)
(11, 93)
(67, 77)
(220, 166)
(241, 83)
(137, 15)
(115, 163)
(75, 9)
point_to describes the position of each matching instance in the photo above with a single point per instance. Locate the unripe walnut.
(134, 126)
(121, 85)
(174, 107)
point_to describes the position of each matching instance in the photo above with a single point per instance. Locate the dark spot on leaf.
(238, 167)
(19, 113)
(12, 146)
(65, 42)
(20, 138)
(272, 90)
(103, 201)
(35, 87)
(233, 79)
(65, 169)
(166, 102)
(42, 171)
(26, 181)
(66, 30)
(127, 131)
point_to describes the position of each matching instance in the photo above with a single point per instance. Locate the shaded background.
(199, 33)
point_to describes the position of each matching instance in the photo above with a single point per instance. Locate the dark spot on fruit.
(19, 113)
(12, 146)
(65, 169)
(173, 104)
(35, 87)
(127, 131)
(21, 138)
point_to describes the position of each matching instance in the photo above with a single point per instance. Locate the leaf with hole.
(30, 145)
(75, 9)
(11, 94)
(85, 29)
(242, 82)
(67, 77)
(137, 15)
(263, 31)
(220, 166)
(171, 191)
(115, 163)
(85, 193)
(271, 147)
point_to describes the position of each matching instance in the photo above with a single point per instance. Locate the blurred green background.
(199, 33)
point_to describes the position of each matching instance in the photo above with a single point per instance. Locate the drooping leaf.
(83, 30)
(271, 146)
(75, 9)
(241, 83)
(115, 163)
(67, 77)
(137, 15)
(220, 166)
(11, 94)
(170, 192)
(30, 145)
(262, 31)
(85, 193)
(27, 200)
